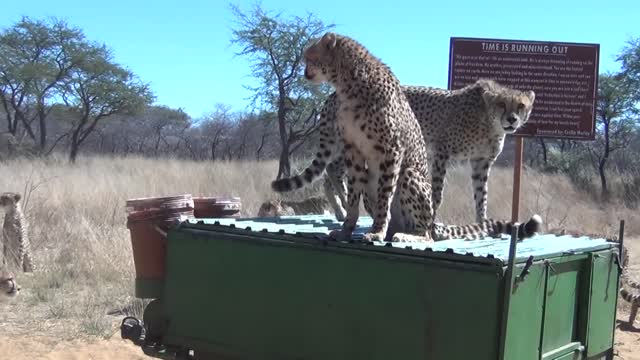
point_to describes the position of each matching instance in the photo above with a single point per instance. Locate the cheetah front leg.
(12, 253)
(369, 198)
(383, 176)
(27, 262)
(480, 169)
(3, 245)
(4, 253)
(438, 174)
(356, 176)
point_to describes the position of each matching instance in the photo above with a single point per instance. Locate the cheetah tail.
(309, 175)
(628, 294)
(629, 287)
(528, 229)
(488, 227)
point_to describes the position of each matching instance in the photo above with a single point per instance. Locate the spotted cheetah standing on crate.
(465, 124)
(382, 147)
(17, 250)
(384, 151)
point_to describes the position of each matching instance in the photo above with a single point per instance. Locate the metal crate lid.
(319, 227)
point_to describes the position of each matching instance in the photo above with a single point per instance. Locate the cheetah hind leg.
(27, 263)
(335, 190)
(633, 313)
(413, 210)
(438, 176)
(355, 172)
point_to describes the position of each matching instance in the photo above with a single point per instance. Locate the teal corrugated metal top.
(320, 225)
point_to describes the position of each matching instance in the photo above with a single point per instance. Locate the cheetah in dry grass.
(629, 288)
(16, 246)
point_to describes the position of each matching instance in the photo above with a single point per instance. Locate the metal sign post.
(517, 172)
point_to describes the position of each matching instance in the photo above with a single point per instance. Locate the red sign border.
(592, 136)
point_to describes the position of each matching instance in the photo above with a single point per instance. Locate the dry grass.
(560, 204)
(78, 232)
(81, 242)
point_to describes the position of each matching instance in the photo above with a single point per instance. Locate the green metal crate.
(278, 288)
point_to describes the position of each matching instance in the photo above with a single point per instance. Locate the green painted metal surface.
(319, 226)
(574, 355)
(602, 309)
(572, 350)
(561, 305)
(282, 302)
(527, 302)
(251, 294)
(148, 288)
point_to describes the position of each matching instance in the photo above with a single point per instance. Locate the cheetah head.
(9, 200)
(273, 208)
(318, 58)
(510, 108)
(8, 286)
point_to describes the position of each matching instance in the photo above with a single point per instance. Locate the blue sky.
(182, 47)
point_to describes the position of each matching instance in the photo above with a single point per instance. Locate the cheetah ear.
(488, 97)
(330, 40)
(17, 197)
(531, 95)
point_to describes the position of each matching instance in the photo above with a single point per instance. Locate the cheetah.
(629, 289)
(312, 205)
(384, 152)
(17, 249)
(467, 124)
(9, 288)
(382, 148)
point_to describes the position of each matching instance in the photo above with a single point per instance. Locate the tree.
(275, 45)
(265, 133)
(155, 131)
(98, 89)
(36, 56)
(615, 122)
(216, 126)
(162, 121)
(630, 59)
(252, 134)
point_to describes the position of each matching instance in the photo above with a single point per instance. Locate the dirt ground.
(627, 341)
(38, 347)
(627, 346)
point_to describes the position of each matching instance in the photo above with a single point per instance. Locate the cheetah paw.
(401, 237)
(373, 237)
(340, 235)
